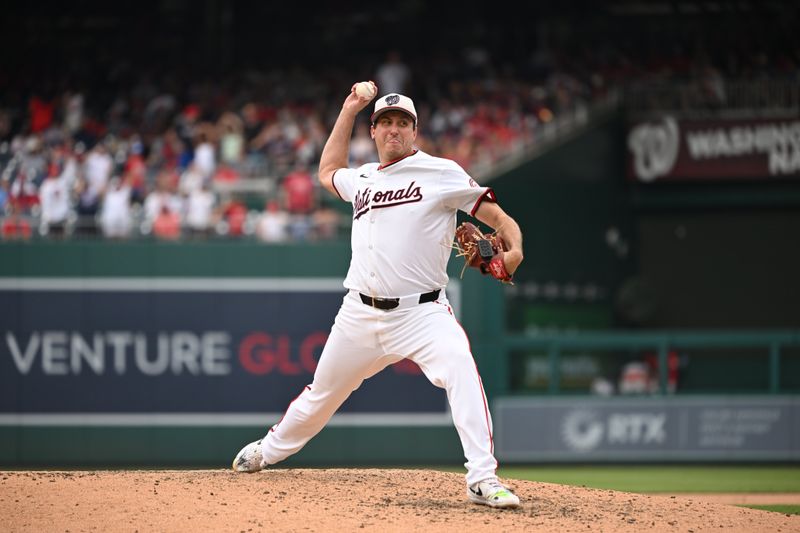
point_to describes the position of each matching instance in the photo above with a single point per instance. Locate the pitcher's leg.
(342, 367)
(473, 421)
(447, 361)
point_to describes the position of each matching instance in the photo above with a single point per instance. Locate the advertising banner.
(203, 346)
(671, 149)
(648, 429)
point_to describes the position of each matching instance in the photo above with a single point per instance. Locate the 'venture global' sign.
(86, 346)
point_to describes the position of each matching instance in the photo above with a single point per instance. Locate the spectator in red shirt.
(235, 214)
(167, 225)
(298, 197)
(15, 227)
(298, 191)
(41, 112)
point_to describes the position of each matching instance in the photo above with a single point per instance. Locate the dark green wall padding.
(105, 447)
(150, 259)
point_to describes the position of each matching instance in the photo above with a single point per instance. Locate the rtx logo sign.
(587, 430)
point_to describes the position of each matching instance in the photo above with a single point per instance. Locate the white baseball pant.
(364, 341)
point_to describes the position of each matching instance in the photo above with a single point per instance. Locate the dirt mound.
(341, 500)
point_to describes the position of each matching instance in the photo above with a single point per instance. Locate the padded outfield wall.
(150, 353)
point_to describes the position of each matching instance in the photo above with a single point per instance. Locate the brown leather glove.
(483, 251)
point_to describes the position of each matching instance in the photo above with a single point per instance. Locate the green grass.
(670, 479)
(784, 509)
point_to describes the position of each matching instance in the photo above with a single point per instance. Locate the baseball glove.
(483, 251)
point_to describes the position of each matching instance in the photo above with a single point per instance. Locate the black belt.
(390, 303)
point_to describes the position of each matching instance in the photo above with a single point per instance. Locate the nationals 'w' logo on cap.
(396, 102)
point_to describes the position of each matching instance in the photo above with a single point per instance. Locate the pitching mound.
(341, 500)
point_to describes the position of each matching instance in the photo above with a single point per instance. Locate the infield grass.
(667, 479)
(785, 509)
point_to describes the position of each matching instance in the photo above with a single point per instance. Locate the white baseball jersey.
(404, 219)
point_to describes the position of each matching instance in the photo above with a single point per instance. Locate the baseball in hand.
(366, 89)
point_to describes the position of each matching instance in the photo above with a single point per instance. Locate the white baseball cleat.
(492, 493)
(249, 458)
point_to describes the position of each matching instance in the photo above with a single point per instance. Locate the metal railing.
(661, 342)
(566, 124)
(715, 97)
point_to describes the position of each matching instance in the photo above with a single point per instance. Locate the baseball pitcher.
(404, 223)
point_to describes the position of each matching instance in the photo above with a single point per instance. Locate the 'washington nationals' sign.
(669, 149)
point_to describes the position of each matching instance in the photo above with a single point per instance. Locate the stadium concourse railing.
(661, 342)
(714, 96)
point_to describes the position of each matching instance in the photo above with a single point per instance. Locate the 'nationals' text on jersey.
(365, 200)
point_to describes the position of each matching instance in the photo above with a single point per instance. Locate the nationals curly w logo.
(655, 148)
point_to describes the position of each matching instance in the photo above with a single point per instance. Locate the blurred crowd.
(170, 172)
(161, 153)
(235, 158)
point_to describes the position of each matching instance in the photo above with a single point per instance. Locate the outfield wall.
(151, 354)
